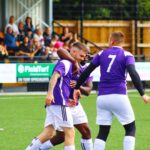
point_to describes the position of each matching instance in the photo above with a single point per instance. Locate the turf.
(22, 118)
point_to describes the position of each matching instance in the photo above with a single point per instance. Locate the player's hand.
(72, 103)
(73, 83)
(76, 94)
(49, 99)
(76, 68)
(146, 98)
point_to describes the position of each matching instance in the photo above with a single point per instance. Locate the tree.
(101, 9)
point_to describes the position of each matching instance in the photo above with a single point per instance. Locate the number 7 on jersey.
(113, 57)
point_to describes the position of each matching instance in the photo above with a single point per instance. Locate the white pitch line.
(1, 129)
(8, 98)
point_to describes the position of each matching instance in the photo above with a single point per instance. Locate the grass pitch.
(22, 118)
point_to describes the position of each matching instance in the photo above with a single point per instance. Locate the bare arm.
(87, 88)
(52, 84)
(64, 54)
(23, 53)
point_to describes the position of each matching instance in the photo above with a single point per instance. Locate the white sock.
(129, 143)
(46, 146)
(35, 145)
(71, 147)
(99, 144)
(86, 144)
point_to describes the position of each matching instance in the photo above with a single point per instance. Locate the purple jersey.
(113, 62)
(62, 88)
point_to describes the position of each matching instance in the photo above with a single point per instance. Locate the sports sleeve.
(135, 78)
(62, 67)
(96, 59)
(85, 74)
(90, 78)
(129, 58)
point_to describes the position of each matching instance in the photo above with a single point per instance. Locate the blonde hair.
(81, 46)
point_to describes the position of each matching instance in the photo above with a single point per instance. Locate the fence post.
(133, 37)
(136, 26)
(81, 19)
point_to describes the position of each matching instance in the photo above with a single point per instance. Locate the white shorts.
(114, 105)
(78, 114)
(59, 117)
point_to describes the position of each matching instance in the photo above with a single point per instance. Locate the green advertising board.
(34, 72)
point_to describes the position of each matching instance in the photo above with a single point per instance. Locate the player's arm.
(87, 88)
(137, 82)
(64, 54)
(52, 84)
(82, 79)
(84, 75)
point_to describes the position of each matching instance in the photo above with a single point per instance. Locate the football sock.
(99, 144)
(34, 145)
(71, 147)
(129, 143)
(86, 144)
(46, 146)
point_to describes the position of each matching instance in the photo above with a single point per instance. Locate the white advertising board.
(7, 73)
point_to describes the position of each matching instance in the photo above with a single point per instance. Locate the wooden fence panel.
(98, 31)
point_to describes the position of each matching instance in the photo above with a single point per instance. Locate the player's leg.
(101, 138)
(129, 139)
(125, 115)
(104, 120)
(86, 141)
(69, 138)
(66, 123)
(58, 138)
(44, 136)
(81, 123)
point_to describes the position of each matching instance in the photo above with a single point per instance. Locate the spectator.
(55, 39)
(39, 35)
(66, 35)
(21, 34)
(10, 40)
(29, 34)
(3, 51)
(38, 49)
(24, 50)
(12, 25)
(28, 24)
(47, 36)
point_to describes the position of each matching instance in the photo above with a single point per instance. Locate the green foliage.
(102, 9)
(144, 9)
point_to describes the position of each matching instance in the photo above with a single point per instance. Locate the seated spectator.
(21, 34)
(37, 48)
(39, 34)
(12, 25)
(29, 34)
(10, 40)
(24, 50)
(47, 36)
(28, 24)
(54, 46)
(66, 35)
(3, 51)
(54, 40)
